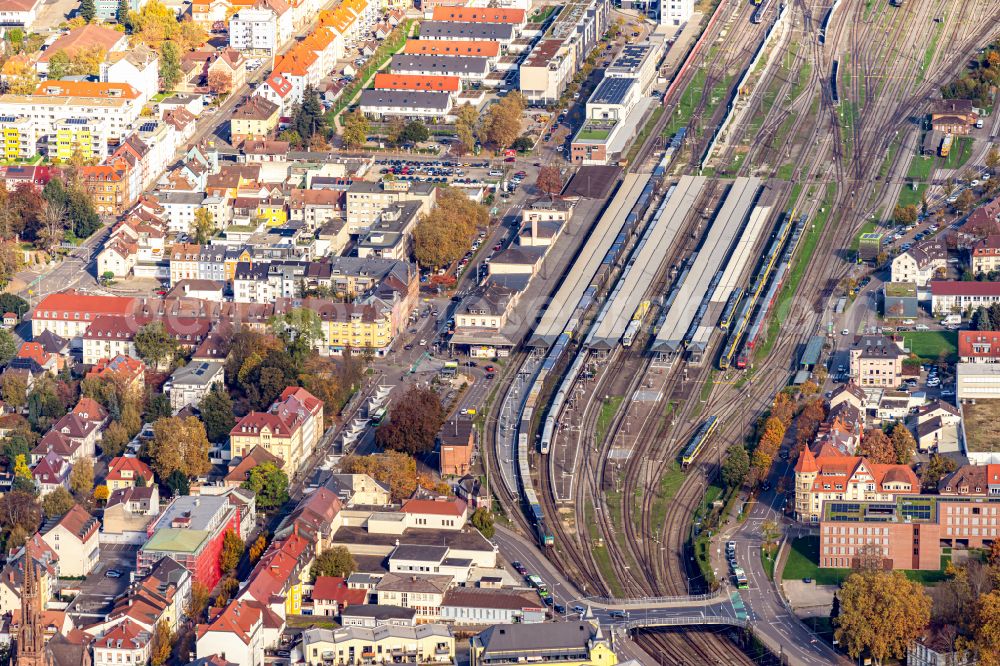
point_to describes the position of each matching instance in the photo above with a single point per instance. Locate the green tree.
(155, 345)
(232, 550)
(502, 123)
(355, 129)
(881, 612)
(308, 118)
(270, 484)
(444, 234)
(115, 440)
(8, 346)
(57, 503)
(121, 15)
(158, 408)
(336, 561)
(466, 120)
(301, 329)
(736, 466)
(59, 65)
(170, 65)
(14, 389)
(414, 422)
(217, 414)
(204, 225)
(87, 10)
(936, 469)
(523, 144)
(482, 520)
(13, 303)
(415, 132)
(178, 483)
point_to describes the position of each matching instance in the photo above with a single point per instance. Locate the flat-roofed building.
(422, 644)
(908, 532)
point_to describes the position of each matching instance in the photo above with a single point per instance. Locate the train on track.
(758, 14)
(833, 82)
(698, 440)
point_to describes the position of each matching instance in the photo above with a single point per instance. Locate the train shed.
(579, 277)
(645, 262)
(687, 313)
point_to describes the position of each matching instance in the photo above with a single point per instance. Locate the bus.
(741, 578)
(378, 417)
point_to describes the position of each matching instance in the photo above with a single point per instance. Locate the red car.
(490, 368)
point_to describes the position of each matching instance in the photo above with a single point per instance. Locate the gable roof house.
(75, 539)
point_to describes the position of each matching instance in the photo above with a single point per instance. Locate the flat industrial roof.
(565, 300)
(631, 56)
(612, 91)
(711, 255)
(593, 182)
(641, 271)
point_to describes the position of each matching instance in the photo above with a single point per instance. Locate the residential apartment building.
(877, 361)
(406, 104)
(961, 297)
(921, 263)
(254, 119)
(366, 201)
(290, 429)
(189, 385)
(68, 314)
(833, 476)
(979, 346)
(260, 30)
(74, 538)
(125, 643)
(236, 634)
(986, 255)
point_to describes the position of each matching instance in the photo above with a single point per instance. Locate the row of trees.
(397, 471)
(979, 81)
(897, 447)
(444, 234)
(986, 318)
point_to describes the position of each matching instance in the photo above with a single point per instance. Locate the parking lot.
(98, 591)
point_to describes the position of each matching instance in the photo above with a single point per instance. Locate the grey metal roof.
(197, 373)
(378, 612)
(412, 551)
(612, 91)
(523, 638)
(454, 65)
(470, 31)
(406, 99)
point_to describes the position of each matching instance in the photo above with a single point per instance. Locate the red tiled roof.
(478, 14)
(334, 588)
(417, 82)
(136, 466)
(964, 288)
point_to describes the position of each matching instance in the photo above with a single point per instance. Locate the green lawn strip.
(890, 156)
(685, 107)
(929, 52)
(608, 411)
(909, 196)
(929, 346)
(646, 129)
(592, 134)
(813, 231)
(803, 562)
(670, 483)
(768, 563)
(920, 168)
(961, 151)
(804, 73)
(602, 556)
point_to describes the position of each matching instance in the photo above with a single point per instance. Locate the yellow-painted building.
(289, 430)
(563, 643)
(71, 137)
(356, 327)
(232, 259)
(273, 212)
(19, 137)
